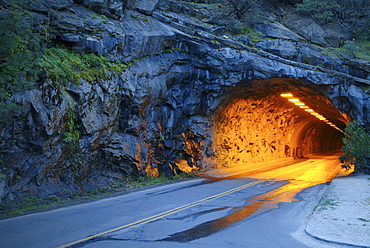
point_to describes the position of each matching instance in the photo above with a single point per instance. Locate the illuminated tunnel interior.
(255, 123)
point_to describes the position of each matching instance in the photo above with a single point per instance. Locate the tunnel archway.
(255, 123)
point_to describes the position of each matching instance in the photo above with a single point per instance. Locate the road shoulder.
(342, 216)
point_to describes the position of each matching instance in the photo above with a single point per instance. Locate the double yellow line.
(164, 214)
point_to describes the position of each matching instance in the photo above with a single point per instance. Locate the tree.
(321, 10)
(239, 8)
(356, 148)
(354, 13)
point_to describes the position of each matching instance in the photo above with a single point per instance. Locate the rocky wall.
(183, 104)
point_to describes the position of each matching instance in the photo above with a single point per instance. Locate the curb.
(342, 215)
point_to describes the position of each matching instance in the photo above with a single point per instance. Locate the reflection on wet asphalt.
(258, 203)
(228, 197)
(307, 174)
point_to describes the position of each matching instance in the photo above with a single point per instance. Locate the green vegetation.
(146, 181)
(60, 65)
(357, 48)
(325, 204)
(244, 26)
(71, 135)
(364, 220)
(18, 53)
(306, 60)
(96, 16)
(34, 204)
(356, 148)
(238, 17)
(319, 10)
(23, 60)
(63, 65)
(139, 18)
(2, 177)
(240, 8)
(360, 49)
(355, 13)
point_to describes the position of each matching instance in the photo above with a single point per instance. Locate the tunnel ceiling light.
(286, 95)
(297, 102)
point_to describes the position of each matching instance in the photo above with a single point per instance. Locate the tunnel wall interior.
(262, 126)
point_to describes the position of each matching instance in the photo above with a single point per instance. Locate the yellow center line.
(166, 213)
(178, 209)
(198, 202)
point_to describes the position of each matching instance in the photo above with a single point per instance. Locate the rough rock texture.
(146, 6)
(187, 101)
(327, 35)
(277, 30)
(235, 144)
(111, 8)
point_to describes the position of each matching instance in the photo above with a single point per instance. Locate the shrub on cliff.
(240, 8)
(23, 57)
(356, 148)
(239, 17)
(62, 65)
(355, 13)
(18, 52)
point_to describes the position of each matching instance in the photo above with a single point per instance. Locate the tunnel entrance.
(256, 124)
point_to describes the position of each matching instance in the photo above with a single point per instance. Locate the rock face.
(328, 35)
(186, 102)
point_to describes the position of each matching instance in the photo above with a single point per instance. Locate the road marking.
(166, 213)
(190, 205)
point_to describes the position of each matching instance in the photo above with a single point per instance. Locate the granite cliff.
(190, 98)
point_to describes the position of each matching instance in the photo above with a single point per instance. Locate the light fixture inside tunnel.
(297, 102)
(286, 95)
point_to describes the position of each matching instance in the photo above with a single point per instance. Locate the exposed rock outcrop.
(159, 115)
(323, 35)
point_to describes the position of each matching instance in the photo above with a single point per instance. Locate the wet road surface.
(263, 205)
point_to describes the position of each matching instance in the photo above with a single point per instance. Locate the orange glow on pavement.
(304, 174)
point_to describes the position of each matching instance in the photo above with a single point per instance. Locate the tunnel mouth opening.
(256, 124)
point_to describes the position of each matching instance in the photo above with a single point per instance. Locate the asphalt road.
(257, 206)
